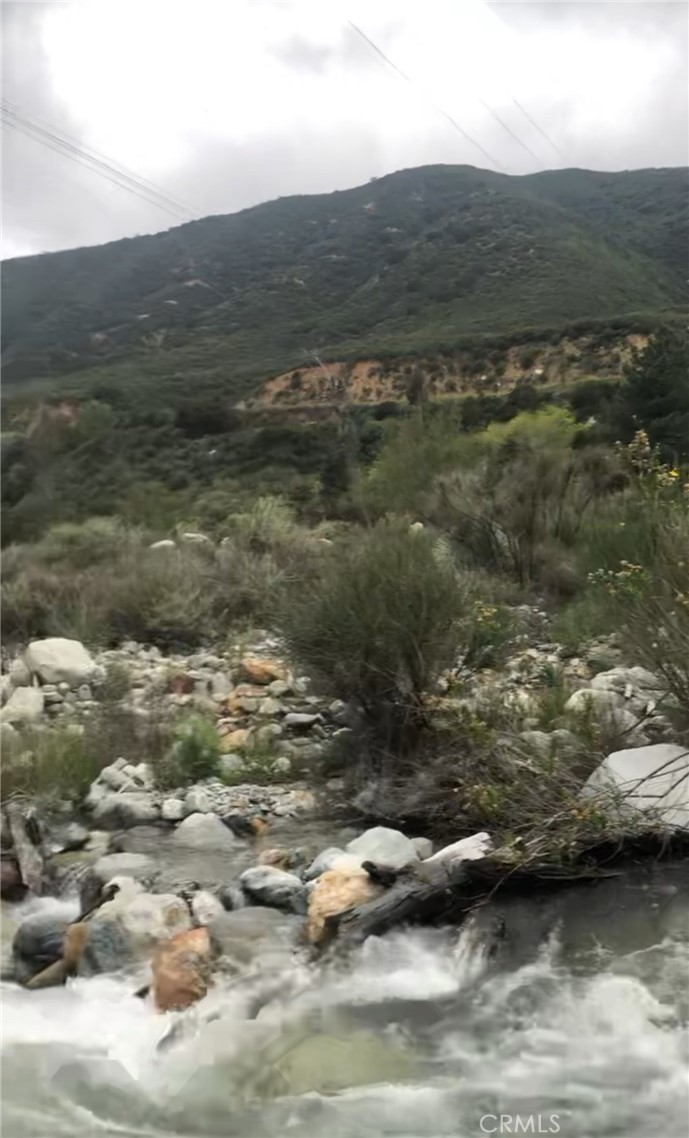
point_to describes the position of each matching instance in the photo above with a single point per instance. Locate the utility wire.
(407, 79)
(178, 202)
(509, 130)
(61, 144)
(538, 128)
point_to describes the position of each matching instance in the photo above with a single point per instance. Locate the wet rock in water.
(57, 660)
(38, 942)
(69, 838)
(11, 884)
(334, 892)
(256, 670)
(172, 810)
(25, 705)
(205, 907)
(129, 928)
(205, 832)
(274, 887)
(331, 859)
(243, 935)
(182, 970)
(136, 866)
(384, 847)
(231, 898)
(126, 810)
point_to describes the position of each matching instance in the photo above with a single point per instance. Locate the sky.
(222, 104)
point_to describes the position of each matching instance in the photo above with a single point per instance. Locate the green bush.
(195, 752)
(377, 627)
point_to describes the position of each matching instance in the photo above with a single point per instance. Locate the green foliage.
(54, 762)
(378, 626)
(655, 394)
(195, 751)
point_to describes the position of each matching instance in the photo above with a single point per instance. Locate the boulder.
(334, 892)
(598, 702)
(205, 832)
(234, 740)
(384, 847)
(423, 847)
(8, 736)
(332, 858)
(129, 928)
(256, 670)
(182, 970)
(274, 887)
(648, 780)
(11, 884)
(301, 720)
(205, 907)
(38, 942)
(57, 660)
(135, 866)
(172, 810)
(197, 800)
(25, 705)
(126, 810)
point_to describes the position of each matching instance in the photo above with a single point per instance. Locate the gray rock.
(270, 706)
(192, 538)
(301, 720)
(84, 693)
(278, 688)
(244, 935)
(539, 742)
(166, 543)
(423, 847)
(25, 705)
(136, 866)
(115, 778)
(197, 800)
(172, 810)
(232, 898)
(384, 847)
(205, 832)
(57, 660)
(8, 735)
(129, 928)
(38, 942)
(597, 702)
(221, 685)
(648, 780)
(329, 859)
(205, 907)
(274, 887)
(73, 836)
(125, 810)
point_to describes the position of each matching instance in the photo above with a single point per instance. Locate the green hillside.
(413, 260)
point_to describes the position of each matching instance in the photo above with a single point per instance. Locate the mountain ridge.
(418, 257)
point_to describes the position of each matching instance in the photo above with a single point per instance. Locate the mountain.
(411, 261)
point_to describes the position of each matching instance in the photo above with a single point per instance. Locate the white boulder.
(205, 832)
(384, 847)
(648, 779)
(58, 660)
(25, 705)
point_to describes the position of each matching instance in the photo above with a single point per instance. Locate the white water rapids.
(580, 1016)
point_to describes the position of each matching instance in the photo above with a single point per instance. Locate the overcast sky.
(226, 103)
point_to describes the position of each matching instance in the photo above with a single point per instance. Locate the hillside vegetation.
(413, 260)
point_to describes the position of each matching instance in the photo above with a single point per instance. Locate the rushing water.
(574, 1017)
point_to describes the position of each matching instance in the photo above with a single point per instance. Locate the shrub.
(195, 752)
(378, 626)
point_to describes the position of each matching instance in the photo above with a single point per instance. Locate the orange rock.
(182, 970)
(335, 891)
(234, 740)
(277, 857)
(259, 671)
(258, 825)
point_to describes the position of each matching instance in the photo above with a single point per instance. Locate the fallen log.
(28, 857)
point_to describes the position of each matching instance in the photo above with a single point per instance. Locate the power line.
(61, 143)
(509, 130)
(453, 122)
(538, 128)
(178, 202)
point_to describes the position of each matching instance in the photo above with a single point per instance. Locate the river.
(564, 1013)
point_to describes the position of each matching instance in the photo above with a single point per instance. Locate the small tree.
(655, 395)
(378, 627)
